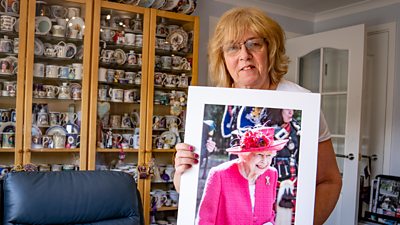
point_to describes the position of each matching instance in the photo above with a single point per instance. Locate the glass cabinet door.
(13, 16)
(172, 68)
(118, 88)
(57, 84)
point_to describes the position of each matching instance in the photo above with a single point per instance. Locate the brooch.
(267, 180)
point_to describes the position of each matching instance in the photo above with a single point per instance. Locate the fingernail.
(196, 161)
(191, 148)
(196, 155)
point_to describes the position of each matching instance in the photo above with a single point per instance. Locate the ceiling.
(316, 6)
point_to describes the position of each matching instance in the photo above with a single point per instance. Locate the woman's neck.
(247, 172)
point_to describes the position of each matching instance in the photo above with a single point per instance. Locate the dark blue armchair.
(70, 197)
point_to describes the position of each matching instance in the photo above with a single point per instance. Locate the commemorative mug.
(58, 30)
(102, 92)
(58, 11)
(170, 80)
(183, 81)
(166, 62)
(73, 140)
(64, 72)
(38, 70)
(16, 45)
(107, 34)
(61, 48)
(116, 140)
(10, 6)
(158, 122)
(5, 115)
(129, 95)
(116, 94)
(73, 12)
(170, 119)
(54, 118)
(6, 44)
(51, 91)
(102, 74)
(159, 78)
(77, 70)
(8, 140)
(52, 71)
(129, 39)
(115, 121)
(126, 121)
(47, 141)
(7, 22)
(59, 140)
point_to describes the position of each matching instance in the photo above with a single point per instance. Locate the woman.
(246, 185)
(247, 51)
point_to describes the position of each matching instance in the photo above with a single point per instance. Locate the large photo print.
(257, 163)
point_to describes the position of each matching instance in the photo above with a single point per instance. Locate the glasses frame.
(245, 43)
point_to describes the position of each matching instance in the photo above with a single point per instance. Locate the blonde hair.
(232, 26)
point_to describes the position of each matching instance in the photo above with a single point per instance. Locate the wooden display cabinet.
(173, 66)
(57, 83)
(118, 87)
(12, 55)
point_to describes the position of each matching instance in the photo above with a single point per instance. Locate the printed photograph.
(257, 157)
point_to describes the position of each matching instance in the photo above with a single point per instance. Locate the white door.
(331, 63)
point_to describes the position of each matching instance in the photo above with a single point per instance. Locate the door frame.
(391, 29)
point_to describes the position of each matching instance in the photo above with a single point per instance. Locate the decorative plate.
(43, 25)
(120, 56)
(168, 137)
(178, 37)
(77, 23)
(39, 47)
(146, 3)
(170, 4)
(35, 131)
(158, 4)
(56, 129)
(7, 127)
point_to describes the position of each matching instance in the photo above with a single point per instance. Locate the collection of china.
(8, 23)
(110, 139)
(125, 22)
(119, 76)
(56, 167)
(60, 50)
(67, 20)
(170, 80)
(64, 91)
(168, 98)
(62, 129)
(107, 93)
(174, 62)
(73, 71)
(119, 57)
(8, 88)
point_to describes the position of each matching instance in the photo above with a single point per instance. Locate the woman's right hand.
(184, 159)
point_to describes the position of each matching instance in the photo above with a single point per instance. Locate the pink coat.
(226, 197)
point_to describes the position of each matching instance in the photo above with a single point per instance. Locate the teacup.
(7, 22)
(58, 31)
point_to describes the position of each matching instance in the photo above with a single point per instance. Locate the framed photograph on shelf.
(252, 164)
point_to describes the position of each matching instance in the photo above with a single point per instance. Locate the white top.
(252, 190)
(285, 85)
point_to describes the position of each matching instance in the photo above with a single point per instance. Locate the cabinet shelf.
(132, 103)
(5, 54)
(64, 61)
(55, 80)
(161, 52)
(66, 150)
(113, 46)
(115, 84)
(170, 88)
(5, 150)
(117, 150)
(7, 76)
(123, 66)
(187, 72)
(119, 128)
(50, 38)
(57, 99)
(7, 97)
(167, 208)
(163, 150)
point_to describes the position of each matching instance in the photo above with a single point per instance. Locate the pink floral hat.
(258, 140)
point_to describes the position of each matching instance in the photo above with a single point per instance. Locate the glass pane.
(309, 73)
(9, 42)
(57, 84)
(335, 72)
(119, 90)
(334, 108)
(338, 146)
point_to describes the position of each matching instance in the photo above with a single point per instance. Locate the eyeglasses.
(252, 45)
